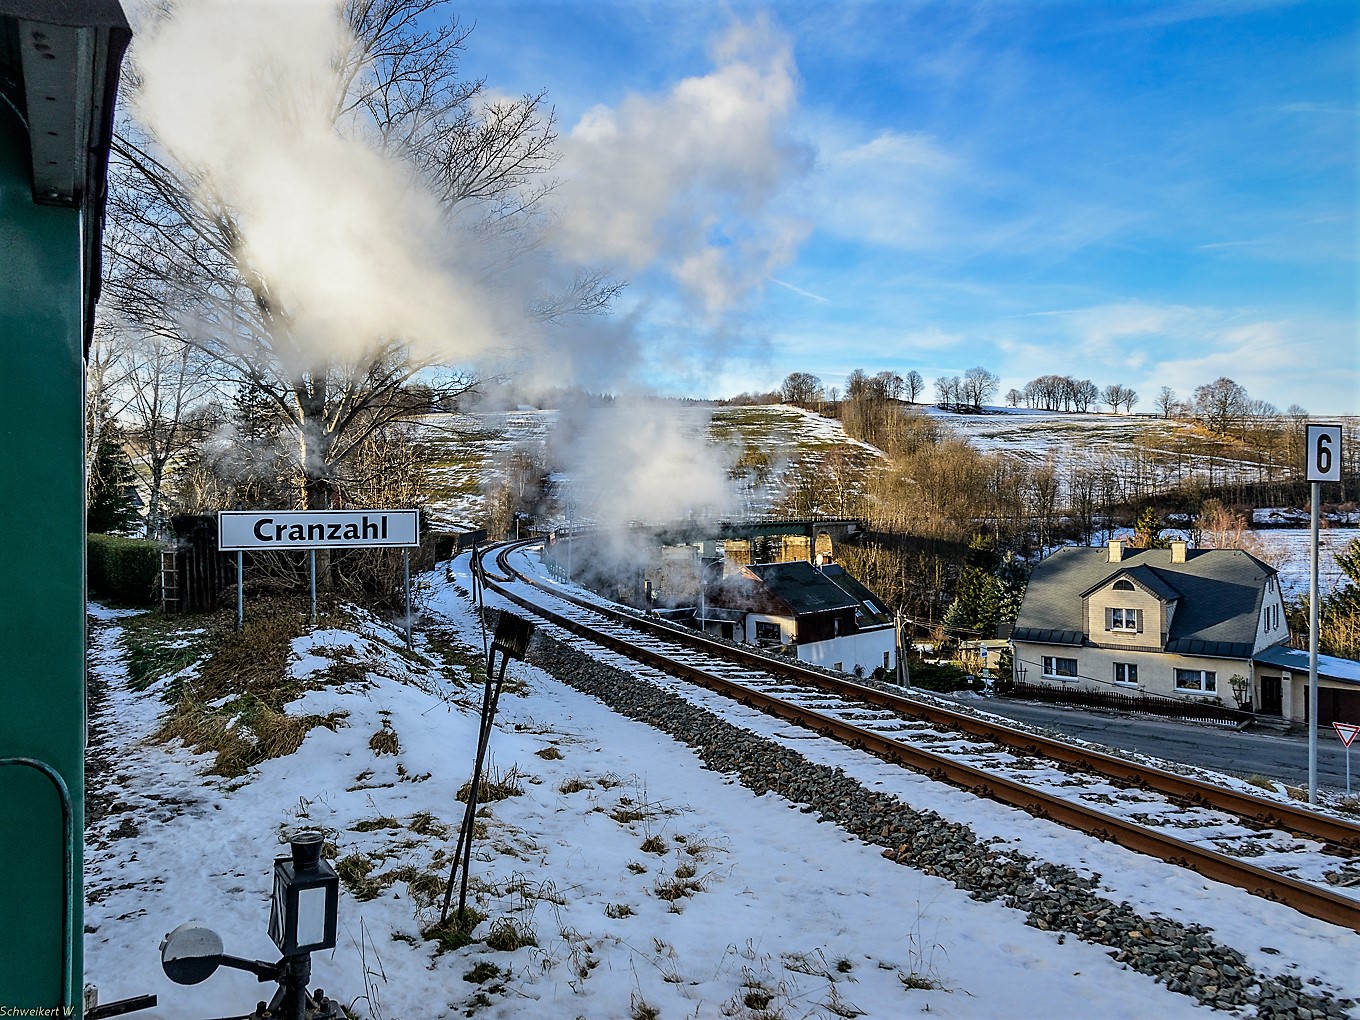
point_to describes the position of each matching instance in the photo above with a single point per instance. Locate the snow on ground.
(785, 908)
(1290, 549)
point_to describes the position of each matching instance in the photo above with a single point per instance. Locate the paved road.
(1244, 752)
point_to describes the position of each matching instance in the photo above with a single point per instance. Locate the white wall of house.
(788, 628)
(865, 648)
(1271, 628)
(1156, 670)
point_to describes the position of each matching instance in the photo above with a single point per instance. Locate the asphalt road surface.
(1242, 752)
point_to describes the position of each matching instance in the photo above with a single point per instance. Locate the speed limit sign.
(1324, 453)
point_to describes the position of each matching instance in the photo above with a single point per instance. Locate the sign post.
(242, 531)
(1347, 732)
(1323, 453)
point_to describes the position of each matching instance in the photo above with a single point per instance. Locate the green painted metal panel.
(42, 569)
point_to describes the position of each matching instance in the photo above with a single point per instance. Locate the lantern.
(302, 917)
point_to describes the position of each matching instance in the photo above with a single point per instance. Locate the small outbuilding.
(823, 614)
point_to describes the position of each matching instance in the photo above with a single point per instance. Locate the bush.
(941, 677)
(126, 569)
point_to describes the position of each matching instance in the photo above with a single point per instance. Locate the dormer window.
(1123, 585)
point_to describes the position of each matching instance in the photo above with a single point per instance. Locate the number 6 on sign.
(1324, 453)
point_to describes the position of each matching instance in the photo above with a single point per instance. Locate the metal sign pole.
(406, 575)
(240, 590)
(1322, 453)
(312, 558)
(1313, 650)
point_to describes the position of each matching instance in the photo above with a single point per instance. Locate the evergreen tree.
(1147, 531)
(112, 504)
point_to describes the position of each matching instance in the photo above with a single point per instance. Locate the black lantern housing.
(302, 917)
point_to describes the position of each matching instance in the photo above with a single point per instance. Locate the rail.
(1315, 901)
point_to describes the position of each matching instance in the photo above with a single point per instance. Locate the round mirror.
(190, 954)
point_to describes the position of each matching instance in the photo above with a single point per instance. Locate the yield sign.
(1346, 731)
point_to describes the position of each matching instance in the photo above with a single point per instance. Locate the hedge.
(125, 569)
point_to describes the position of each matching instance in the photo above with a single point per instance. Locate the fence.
(1143, 704)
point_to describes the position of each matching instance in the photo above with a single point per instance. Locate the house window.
(887, 660)
(1126, 673)
(1055, 667)
(1124, 621)
(1197, 681)
(1122, 585)
(766, 631)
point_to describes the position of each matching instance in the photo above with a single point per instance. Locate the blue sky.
(1145, 194)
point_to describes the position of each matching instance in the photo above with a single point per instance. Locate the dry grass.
(454, 932)
(385, 740)
(494, 786)
(241, 733)
(508, 934)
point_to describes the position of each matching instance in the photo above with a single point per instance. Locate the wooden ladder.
(170, 601)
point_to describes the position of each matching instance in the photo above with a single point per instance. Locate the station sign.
(285, 530)
(1324, 453)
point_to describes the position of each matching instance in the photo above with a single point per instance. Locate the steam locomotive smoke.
(677, 188)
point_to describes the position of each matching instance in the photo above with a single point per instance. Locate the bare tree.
(801, 388)
(165, 387)
(891, 384)
(1167, 402)
(979, 386)
(107, 365)
(1084, 394)
(1221, 404)
(914, 385)
(182, 257)
(1117, 395)
(1013, 397)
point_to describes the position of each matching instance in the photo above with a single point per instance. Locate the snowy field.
(473, 446)
(792, 915)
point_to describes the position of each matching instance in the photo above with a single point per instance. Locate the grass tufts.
(455, 931)
(507, 935)
(385, 740)
(494, 786)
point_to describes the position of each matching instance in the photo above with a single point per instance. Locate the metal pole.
(240, 590)
(311, 555)
(1313, 647)
(406, 576)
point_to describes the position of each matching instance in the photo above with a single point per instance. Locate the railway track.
(1224, 834)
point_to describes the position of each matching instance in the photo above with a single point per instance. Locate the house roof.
(872, 609)
(802, 586)
(1218, 592)
(1347, 671)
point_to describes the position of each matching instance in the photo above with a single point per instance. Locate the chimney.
(1177, 552)
(1116, 550)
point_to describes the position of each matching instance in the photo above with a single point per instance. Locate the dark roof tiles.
(1218, 595)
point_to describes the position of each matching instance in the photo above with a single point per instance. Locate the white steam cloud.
(641, 461)
(243, 95)
(683, 186)
(687, 181)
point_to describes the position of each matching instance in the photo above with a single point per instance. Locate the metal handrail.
(67, 873)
